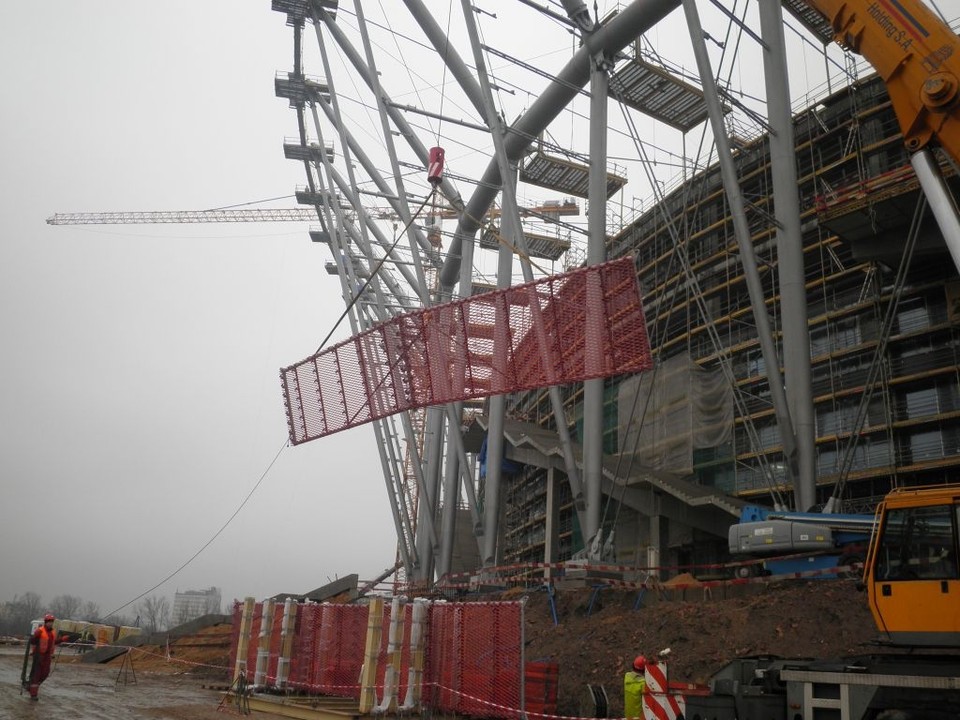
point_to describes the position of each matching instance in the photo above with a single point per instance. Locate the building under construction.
(803, 352)
(882, 304)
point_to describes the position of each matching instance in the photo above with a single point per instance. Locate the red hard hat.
(48, 618)
(639, 663)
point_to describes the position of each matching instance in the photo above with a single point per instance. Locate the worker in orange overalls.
(44, 640)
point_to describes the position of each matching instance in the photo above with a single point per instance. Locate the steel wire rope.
(406, 65)
(656, 369)
(209, 542)
(748, 422)
(251, 202)
(352, 76)
(883, 337)
(646, 164)
(373, 273)
(392, 366)
(491, 228)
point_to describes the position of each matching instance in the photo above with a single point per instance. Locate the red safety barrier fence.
(566, 328)
(340, 650)
(472, 653)
(306, 643)
(474, 658)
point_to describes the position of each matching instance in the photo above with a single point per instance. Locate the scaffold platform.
(293, 149)
(654, 91)
(541, 246)
(299, 89)
(563, 175)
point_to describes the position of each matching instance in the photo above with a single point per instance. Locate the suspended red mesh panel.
(567, 328)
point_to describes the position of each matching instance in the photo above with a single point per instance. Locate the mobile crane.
(912, 569)
(918, 57)
(912, 579)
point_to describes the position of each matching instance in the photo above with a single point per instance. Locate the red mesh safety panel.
(340, 652)
(305, 646)
(567, 328)
(254, 645)
(276, 640)
(384, 658)
(473, 659)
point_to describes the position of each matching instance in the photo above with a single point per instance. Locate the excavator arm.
(918, 57)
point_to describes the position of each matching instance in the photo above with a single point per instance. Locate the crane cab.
(912, 573)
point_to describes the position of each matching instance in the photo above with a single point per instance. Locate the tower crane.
(546, 210)
(185, 216)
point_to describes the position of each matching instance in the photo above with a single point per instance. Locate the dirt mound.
(599, 633)
(204, 654)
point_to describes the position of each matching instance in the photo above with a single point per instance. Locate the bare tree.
(155, 613)
(66, 606)
(16, 614)
(89, 612)
(30, 603)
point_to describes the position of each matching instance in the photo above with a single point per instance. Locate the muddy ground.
(592, 635)
(83, 691)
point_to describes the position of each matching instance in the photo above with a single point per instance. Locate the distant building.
(192, 604)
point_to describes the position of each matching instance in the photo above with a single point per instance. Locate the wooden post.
(391, 678)
(418, 622)
(371, 653)
(263, 649)
(286, 642)
(243, 638)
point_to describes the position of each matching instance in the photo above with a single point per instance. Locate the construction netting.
(667, 414)
(463, 658)
(584, 324)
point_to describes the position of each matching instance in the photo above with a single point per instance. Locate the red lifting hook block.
(435, 166)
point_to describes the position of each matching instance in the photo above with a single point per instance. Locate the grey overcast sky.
(139, 373)
(139, 376)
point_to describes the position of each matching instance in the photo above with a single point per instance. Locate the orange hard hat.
(48, 618)
(639, 663)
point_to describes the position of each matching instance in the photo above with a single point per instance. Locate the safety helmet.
(639, 663)
(48, 618)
